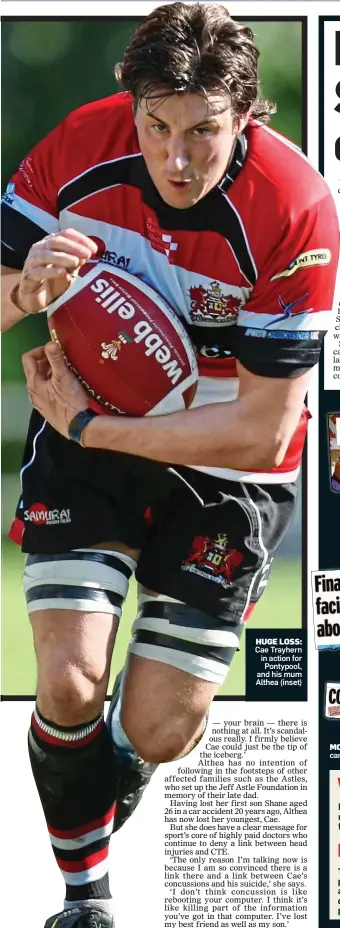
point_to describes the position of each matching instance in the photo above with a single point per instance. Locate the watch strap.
(79, 423)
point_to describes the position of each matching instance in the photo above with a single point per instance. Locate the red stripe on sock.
(84, 829)
(60, 742)
(248, 613)
(78, 866)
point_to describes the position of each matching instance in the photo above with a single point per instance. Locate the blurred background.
(48, 69)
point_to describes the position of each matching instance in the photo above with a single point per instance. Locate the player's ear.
(241, 122)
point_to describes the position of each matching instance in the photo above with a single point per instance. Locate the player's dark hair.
(194, 49)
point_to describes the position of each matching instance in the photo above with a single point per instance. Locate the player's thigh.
(74, 600)
(209, 567)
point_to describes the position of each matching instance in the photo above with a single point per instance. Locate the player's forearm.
(10, 315)
(218, 435)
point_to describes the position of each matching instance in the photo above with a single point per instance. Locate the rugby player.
(179, 181)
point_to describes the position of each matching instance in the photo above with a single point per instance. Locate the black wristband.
(79, 423)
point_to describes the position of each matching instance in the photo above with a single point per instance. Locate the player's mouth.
(179, 184)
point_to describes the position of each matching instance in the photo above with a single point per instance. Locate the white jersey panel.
(134, 253)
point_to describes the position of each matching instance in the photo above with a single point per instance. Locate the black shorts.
(204, 541)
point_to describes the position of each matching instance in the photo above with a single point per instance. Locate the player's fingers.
(45, 257)
(75, 236)
(60, 242)
(38, 274)
(35, 353)
(30, 362)
(44, 367)
(55, 358)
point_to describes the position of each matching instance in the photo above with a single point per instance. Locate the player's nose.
(177, 160)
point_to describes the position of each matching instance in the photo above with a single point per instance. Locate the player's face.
(187, 141)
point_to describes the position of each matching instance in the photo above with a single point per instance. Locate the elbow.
(275, 458)
(269, 454)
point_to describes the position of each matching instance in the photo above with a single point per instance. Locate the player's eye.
(202, 130)
(159, 127)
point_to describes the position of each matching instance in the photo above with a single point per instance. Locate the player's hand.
(51, 267)
(53, 390)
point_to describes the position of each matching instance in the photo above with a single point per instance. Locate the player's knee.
(155, 746)
(67, 693)
(74, 602)
(160, 741)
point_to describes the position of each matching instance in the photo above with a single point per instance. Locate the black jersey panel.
(18, 234)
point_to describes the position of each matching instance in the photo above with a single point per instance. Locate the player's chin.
(181, 199)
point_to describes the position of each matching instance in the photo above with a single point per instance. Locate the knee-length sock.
(74, 770)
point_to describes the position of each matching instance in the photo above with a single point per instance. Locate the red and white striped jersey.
(250, 268)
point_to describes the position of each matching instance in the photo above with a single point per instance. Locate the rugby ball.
(125, 343)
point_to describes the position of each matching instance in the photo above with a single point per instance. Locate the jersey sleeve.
(281, 327)
(29, 206)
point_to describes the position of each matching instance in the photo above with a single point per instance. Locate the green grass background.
(279, 607)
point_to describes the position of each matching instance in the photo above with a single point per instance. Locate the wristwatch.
(79, 423)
